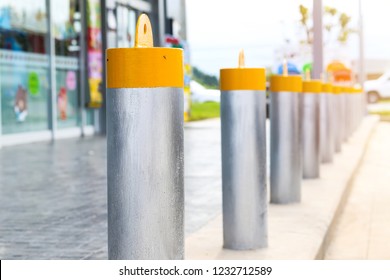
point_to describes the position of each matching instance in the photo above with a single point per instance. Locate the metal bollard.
(311, 129)
(354, 109)
(145, 160)
(336, 118)
(326, 129)
(286, 139)
(344, 112)
(243, 117)
(350, 107)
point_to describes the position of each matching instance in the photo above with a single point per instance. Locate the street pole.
(317, 39)
(362, 74)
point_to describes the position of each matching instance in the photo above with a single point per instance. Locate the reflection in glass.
(67, 27)
(23, 65)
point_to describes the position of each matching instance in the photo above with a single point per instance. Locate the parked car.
(201, 94)
(378, 89)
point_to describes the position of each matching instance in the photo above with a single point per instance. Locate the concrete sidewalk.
(296, 231)
(363, 229)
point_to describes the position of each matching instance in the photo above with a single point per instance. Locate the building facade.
(52, 62)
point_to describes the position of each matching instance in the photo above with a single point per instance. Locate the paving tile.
(53, 196)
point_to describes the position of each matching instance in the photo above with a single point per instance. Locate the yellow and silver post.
(350, 108)
(286, 139)
(243, 118)
(326, 129)
(336, 118)
(145, 150)
(311, 128)
(343, 112)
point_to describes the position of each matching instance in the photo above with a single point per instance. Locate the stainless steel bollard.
(311, 129)
(145, 164)
(286, 139)
(336, 118)
(326, 129)
(354, 109)
(243, 117)
(350, 108)
(344, 112)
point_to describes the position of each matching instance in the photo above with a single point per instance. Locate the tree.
(336, 22)
(208, 81)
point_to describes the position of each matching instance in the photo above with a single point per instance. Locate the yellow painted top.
(286, 83)
(327, 88)
(242, 78)
(337, 89)
(313, 86)
(144, 66)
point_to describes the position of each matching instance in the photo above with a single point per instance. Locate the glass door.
(24, 65)
(126, 17)
(67, 29)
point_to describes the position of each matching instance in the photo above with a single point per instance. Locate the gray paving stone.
(53, 196)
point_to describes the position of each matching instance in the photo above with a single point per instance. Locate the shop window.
(24, 66)
(67, 28)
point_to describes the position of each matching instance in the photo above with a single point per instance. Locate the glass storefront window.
(126, 18)
(24, 66)
(67, 27)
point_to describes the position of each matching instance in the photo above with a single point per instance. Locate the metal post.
(52, 73)
(343, 112)
(83, 66)
(317, 39)
(243, 117)
(336, 118)
(286, 139)
(311, 129)
(161, 21)
(102, 115)
(326, 129)
(350, 112)
(362, 69)
(145, 158)
(1, 121)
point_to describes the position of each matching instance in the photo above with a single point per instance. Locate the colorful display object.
(339, 72)
(62, 103)
(95, 64)
(173, 42)
(20, 106)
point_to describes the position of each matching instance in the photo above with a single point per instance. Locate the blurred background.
(52, 53)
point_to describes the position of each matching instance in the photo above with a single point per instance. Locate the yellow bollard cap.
(144, 66)
(242, 78)
(327, 88)
(337, 90)
(313, 86)
(286, 83)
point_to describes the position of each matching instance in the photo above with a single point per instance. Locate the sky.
(218, 29)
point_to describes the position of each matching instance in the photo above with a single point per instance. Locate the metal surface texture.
(286, 147)
(243, 118)
(336, 118)
(145, 168)
(343, 111)
(311, 135)
(350, 115)
(326, 129)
